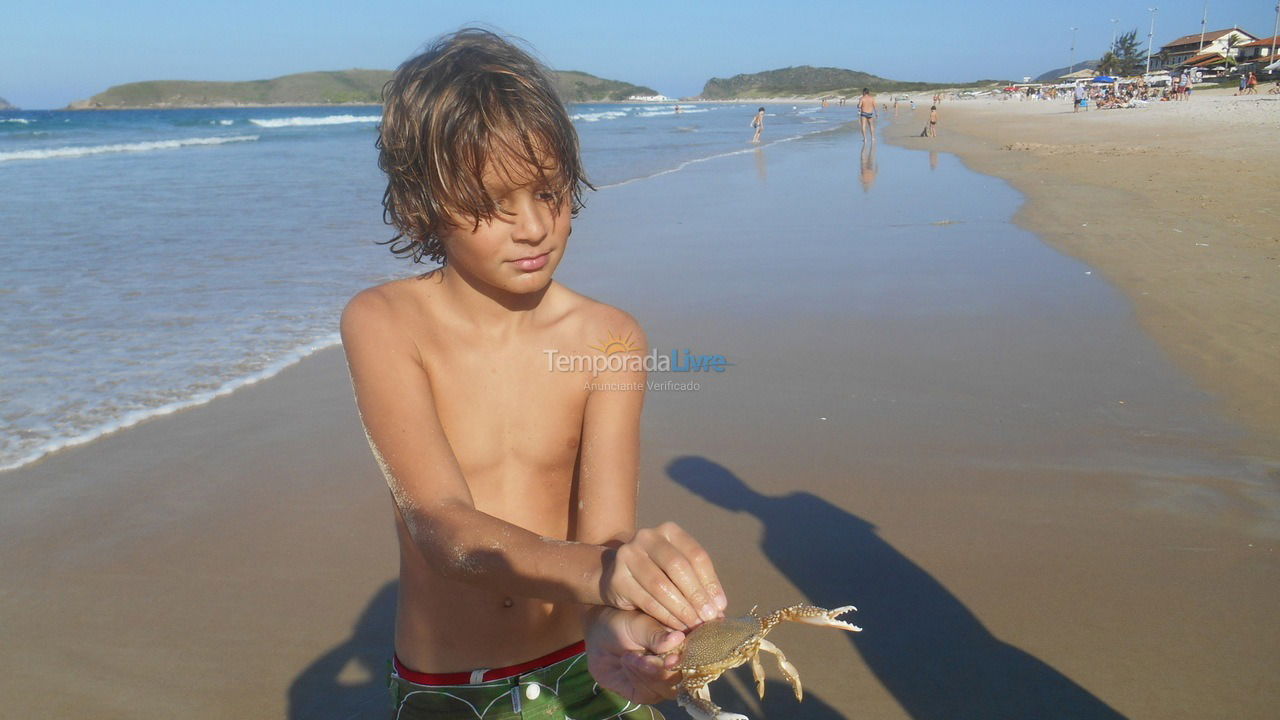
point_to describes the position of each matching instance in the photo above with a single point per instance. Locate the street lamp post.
(1203, 19)
(1113, 34)
(1073, 51)
(1275, 31)
(1151, 34)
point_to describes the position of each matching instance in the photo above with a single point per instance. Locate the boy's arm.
(662, 571)
(396, 406)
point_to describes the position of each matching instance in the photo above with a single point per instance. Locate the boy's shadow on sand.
(320, 691)
(922, 643)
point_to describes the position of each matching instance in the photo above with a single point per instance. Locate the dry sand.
(1177, 203)
(1012, 554)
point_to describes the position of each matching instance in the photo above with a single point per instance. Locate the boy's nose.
(530, 225)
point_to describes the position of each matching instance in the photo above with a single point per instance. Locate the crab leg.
(788, 670)
(757, 671)
(696, 700)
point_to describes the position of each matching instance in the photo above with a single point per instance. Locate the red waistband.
(465, 678)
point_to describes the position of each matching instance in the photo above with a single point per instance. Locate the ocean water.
(151, 260)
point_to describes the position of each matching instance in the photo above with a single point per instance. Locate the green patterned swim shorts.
(562, 691)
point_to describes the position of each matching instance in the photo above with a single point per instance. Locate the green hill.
(577, 86)
(315, 88)
(1053, 75)
(806, 81)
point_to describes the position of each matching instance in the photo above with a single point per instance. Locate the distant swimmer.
(867, 114)
(677, 109)
(758, 123)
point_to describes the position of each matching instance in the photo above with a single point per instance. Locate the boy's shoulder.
(376, 308)
(593, 320)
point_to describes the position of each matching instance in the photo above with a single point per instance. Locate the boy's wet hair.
(471, 101)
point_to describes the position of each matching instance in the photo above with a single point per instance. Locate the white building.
(1201, 50)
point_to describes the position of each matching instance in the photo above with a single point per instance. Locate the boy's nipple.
(508, 602)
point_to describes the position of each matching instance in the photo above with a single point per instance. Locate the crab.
(724, 644)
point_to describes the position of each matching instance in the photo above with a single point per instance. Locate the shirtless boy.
(514, 483)
(867, 114)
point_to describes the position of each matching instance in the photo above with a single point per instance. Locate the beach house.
(1257, 51)
(1202, 50)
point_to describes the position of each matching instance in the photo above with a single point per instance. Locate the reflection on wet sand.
(933, 160)
(868, 173)
(762, 168)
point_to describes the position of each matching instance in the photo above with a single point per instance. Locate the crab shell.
(722, 644)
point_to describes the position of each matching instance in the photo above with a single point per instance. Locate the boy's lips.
(533, 262)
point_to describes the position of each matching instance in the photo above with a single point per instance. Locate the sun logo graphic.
(615, 344)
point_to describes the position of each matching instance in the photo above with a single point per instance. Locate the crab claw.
(828, 619)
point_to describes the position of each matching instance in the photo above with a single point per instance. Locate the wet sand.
(1173, 202)
(931, 415)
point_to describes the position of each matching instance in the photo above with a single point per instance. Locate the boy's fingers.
(701, 562)
(634, 591)
(653, 636)
(673, 561)
(657, 584)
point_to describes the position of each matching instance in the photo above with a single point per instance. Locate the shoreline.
(1171, 203)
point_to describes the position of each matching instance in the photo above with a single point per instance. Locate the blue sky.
(56, 51)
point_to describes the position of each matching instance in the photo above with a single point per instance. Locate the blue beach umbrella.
(1104, 79)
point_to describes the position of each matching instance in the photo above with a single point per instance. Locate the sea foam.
(134, 417)
(82, 151)
(309, 121)
(598, 116)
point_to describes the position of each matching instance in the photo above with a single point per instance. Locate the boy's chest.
(507, 409)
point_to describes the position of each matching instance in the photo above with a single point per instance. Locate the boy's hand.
(665, 573)
(624, 654)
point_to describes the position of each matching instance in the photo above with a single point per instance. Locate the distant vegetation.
(808, 81)
(4, 105)
(315, 88)
(1124, 58)
(321, 88)
(580, 87)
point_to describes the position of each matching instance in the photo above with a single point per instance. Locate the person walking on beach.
(867, 114)
(525, 587)
(1079, 97)
(933, 121)
(758, 123)
(1251, 86)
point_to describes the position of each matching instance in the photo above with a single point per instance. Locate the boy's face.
(519, 248)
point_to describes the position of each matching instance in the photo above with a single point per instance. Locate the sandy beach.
(1173, 202)
(1045, 479)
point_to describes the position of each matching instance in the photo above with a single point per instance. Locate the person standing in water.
(758, 123)
(867, 114)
